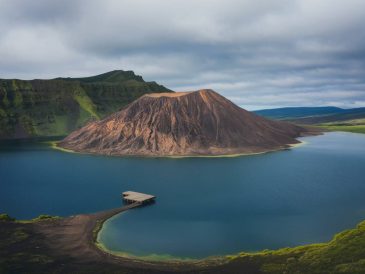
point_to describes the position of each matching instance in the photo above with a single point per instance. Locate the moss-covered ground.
(345, 253)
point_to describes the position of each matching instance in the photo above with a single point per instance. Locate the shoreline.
(84, 229)
(151, 257)
(53, 145)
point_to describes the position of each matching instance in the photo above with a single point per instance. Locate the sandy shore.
(76, 235)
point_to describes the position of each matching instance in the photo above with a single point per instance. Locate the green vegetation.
(354, 129)
(41, 217)
(85, 103)
(97, 228)
(344, 254)
(355, 125)
(45, 217)
(6, 217)
(42, 108)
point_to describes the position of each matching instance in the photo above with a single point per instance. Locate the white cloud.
(269, 53)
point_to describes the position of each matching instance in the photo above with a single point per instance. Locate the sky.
(258, 53)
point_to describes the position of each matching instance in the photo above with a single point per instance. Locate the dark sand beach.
(67, 245)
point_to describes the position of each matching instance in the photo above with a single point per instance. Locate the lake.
(204, 206)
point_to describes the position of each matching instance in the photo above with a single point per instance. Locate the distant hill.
(296, 112)
(55, 107)
(313, 115)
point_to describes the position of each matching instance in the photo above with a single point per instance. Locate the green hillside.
(40, 108)
(345, 253)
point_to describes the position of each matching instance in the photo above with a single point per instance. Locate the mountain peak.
(205, 91)
(118, 76)
(114, 76)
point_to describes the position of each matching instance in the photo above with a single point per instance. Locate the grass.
(6, 217)
(58, 126)
(45, 217)
(85, 102)
(354, 128)
(354, 125)
(345, 253)
(84, 118)
(41, 217)
(54, 145)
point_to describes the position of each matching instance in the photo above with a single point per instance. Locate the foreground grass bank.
(345, 253)
(25, 248)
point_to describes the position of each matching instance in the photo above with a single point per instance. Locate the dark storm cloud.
(258, 53)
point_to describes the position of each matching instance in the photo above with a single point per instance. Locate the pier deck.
(137, 197)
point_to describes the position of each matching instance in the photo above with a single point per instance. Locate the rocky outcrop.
(181, 124)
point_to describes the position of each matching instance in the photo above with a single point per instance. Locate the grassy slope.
(58, 106)
(344, 254)
(355, 125)
(354, 129)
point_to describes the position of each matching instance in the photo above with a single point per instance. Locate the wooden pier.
(137, 197)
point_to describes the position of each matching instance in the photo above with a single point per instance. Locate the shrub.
(6, 217)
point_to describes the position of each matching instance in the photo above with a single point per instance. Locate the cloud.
(257, 53)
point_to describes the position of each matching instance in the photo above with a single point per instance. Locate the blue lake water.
(204, 206)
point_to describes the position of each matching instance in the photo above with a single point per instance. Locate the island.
(199, 123)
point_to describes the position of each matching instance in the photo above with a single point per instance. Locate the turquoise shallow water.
(205, 206)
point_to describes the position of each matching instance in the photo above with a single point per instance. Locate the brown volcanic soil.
(66, 245)
(182, 124)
